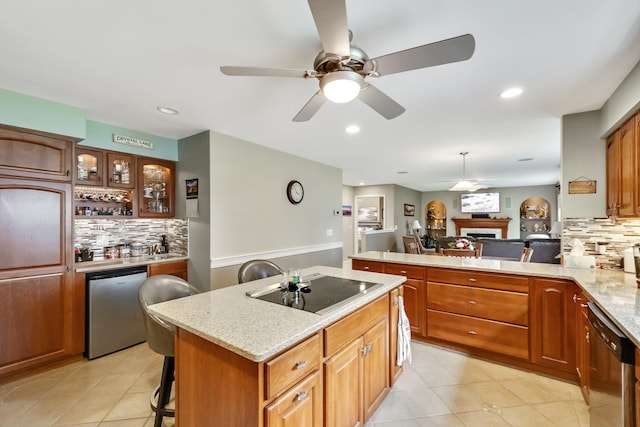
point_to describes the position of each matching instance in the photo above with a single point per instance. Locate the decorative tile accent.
(98, 233)
(618, 235)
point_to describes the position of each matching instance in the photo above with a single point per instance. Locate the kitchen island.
(243, 362)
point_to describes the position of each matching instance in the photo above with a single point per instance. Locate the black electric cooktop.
(321, 294)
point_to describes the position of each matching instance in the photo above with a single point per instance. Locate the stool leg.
(165, 390)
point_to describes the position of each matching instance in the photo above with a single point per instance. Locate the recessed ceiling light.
(168, 110)
(352, 129)
(362, 183)
(511, 92)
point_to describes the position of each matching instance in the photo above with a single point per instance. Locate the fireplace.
(496, 227)
(478, 235)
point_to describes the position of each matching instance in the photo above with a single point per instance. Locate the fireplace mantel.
(501, 223)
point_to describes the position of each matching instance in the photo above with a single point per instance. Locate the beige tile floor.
(441, 388)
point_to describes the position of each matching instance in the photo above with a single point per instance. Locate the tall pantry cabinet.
(39, 306)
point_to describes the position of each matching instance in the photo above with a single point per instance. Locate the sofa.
(501, 248)
(545, 250)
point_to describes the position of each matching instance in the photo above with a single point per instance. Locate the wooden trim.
(501, 223)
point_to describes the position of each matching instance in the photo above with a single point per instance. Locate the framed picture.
(409, 210)
(346, 210)
(192, 188)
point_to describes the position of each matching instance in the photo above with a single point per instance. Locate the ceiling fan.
(464, 184)
(341, 68)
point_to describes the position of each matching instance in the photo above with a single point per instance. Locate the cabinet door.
(32, 154)
(613, 171)
(300, 407)
(120, 170)
(343, 387)
(627, 165)
(414, 288)
(553, 324)
(36, 286)
(155, 188)
(89, 167)
(375, 367)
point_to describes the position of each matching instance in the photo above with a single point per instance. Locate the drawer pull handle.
(473, 333)
(366, 268)
(584, 305)
(472, 302)
(302, 395)
(403, 272)
(301, 364)
(473, 279)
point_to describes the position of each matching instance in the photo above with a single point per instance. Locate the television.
(480, 202)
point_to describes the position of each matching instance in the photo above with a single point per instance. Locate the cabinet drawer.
(504, 306)
(352, 326)
(292, 365)
(484, 334)
(408, 271)
(174, 268)
(375, 267)
(480, 280)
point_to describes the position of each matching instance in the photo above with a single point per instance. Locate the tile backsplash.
(602, 237)
(98, 233)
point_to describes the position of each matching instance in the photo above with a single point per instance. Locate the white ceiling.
(120, 59)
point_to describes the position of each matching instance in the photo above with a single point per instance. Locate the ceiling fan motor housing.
(357, 61)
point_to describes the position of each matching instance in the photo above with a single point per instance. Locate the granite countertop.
(614, 291)
(257, 329)
(115, 263)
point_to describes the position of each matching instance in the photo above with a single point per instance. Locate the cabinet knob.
(302, 395)
(366, 268)
(301, 364)
(473, 333)
(472, 302)
(403, 272)
(473, 279)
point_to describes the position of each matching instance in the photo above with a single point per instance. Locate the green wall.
(33, 113)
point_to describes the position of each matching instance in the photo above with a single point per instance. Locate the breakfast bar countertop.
(614, 291)
(257, 329)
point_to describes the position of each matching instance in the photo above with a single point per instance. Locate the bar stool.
(258, 269)
(160, 335)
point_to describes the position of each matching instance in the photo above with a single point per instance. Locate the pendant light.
(464, 185)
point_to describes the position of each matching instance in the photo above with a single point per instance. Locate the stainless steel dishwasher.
(114, 317)
(611, 389)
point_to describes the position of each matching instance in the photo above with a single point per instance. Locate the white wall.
(583, 155)
(509, 196)
(621, 104)
(251, 216)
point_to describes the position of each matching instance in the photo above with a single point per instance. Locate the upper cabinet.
(155, 189)
(623, 182)
(35, 155)
(128, 184)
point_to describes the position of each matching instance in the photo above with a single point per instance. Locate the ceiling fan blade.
(330, 17)
(443, 52)
(262, 72)
(380, 102)
(311, 107)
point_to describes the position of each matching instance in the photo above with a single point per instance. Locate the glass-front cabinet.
(89, 167)
(121, 170)
(155, 188)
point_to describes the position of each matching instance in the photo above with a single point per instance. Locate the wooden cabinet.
(120, 170)
(582, 341)
(89, 167)
(174, 268)
(481, 310)
(301, 406)
(553, 332)
(623, 185)
(155, 188)
(357, 377)
(371, 266)
(337, 377)
(35, 155)
(38, 299)
(413, 292)
(637, 388)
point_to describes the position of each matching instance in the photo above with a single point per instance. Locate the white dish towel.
(404, 335)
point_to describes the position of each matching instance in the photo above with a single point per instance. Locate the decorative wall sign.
(135, 142)
(192, 188)
(582, 185)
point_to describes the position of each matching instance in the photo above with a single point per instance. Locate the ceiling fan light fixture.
(341, 86)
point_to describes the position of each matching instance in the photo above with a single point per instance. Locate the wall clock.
(295, 192)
